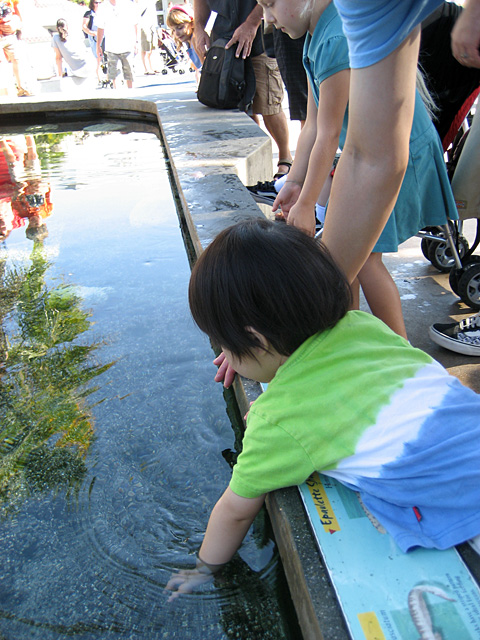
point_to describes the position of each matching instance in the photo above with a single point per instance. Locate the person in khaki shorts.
(117, 21)
(240, 20)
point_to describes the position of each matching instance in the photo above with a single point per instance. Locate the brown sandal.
(287, 163)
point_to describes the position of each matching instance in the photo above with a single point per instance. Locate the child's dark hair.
(269, 276)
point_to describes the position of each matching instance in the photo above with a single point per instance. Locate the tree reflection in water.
(46, 425)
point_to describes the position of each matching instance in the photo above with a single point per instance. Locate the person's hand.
(303, 217)
(201, 41)
(287, 197)
(225, 372)
(11, 25)
(186, 581)
(244, 35)
(466, 35)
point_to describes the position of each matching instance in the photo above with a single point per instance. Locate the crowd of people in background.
(113, 42)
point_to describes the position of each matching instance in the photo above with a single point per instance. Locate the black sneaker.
(263, 192)
(462, 337)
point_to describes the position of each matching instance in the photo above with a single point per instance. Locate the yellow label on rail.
(370, 626)
(322, 504)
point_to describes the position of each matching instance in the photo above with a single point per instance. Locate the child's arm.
(290, 191)
(333, 100)
(229, 522)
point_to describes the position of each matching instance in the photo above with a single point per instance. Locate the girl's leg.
(382, 294)
(371, 168)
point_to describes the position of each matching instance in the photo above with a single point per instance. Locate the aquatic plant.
(45, 375)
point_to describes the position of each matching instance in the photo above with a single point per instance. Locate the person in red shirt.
(10, 30)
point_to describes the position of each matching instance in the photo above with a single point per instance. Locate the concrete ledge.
(210, 153)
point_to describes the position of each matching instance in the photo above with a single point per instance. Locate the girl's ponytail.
(62, 29)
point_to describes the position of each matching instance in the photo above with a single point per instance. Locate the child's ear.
(264, 344)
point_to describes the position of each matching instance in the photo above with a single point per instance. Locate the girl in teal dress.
(425, 198)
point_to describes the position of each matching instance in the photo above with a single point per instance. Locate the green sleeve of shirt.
(271, 459)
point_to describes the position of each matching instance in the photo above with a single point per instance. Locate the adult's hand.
(10, 25)
(466, 35)
(201, 41)
(244, 36)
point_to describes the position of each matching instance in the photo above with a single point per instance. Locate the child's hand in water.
(186, 581)
(225, 372)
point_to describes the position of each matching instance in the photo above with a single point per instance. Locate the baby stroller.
(446, 247)
(105, 82)
(455, 89)
(172, 59)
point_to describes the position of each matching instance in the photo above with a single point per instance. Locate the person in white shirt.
(117, 21)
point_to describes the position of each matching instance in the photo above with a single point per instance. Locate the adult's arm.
(85, 28)
(100, 34)
(201, 39)
(373, 162)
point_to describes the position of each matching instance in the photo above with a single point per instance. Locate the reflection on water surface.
(111, 425)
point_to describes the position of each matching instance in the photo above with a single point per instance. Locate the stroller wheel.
(425, 247)
(469, 286)
(441, 255)
(426, 242)
(455, 274)
(164, 72)
(453, 278)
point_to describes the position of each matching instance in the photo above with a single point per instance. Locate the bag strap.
(250, 87)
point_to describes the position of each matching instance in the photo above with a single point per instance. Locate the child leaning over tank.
(180, 21)
(347, 397)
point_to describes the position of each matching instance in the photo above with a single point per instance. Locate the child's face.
(287, 15)
(261, 368)
(183, 32)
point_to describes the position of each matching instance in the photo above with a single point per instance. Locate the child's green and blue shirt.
(360, 404)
